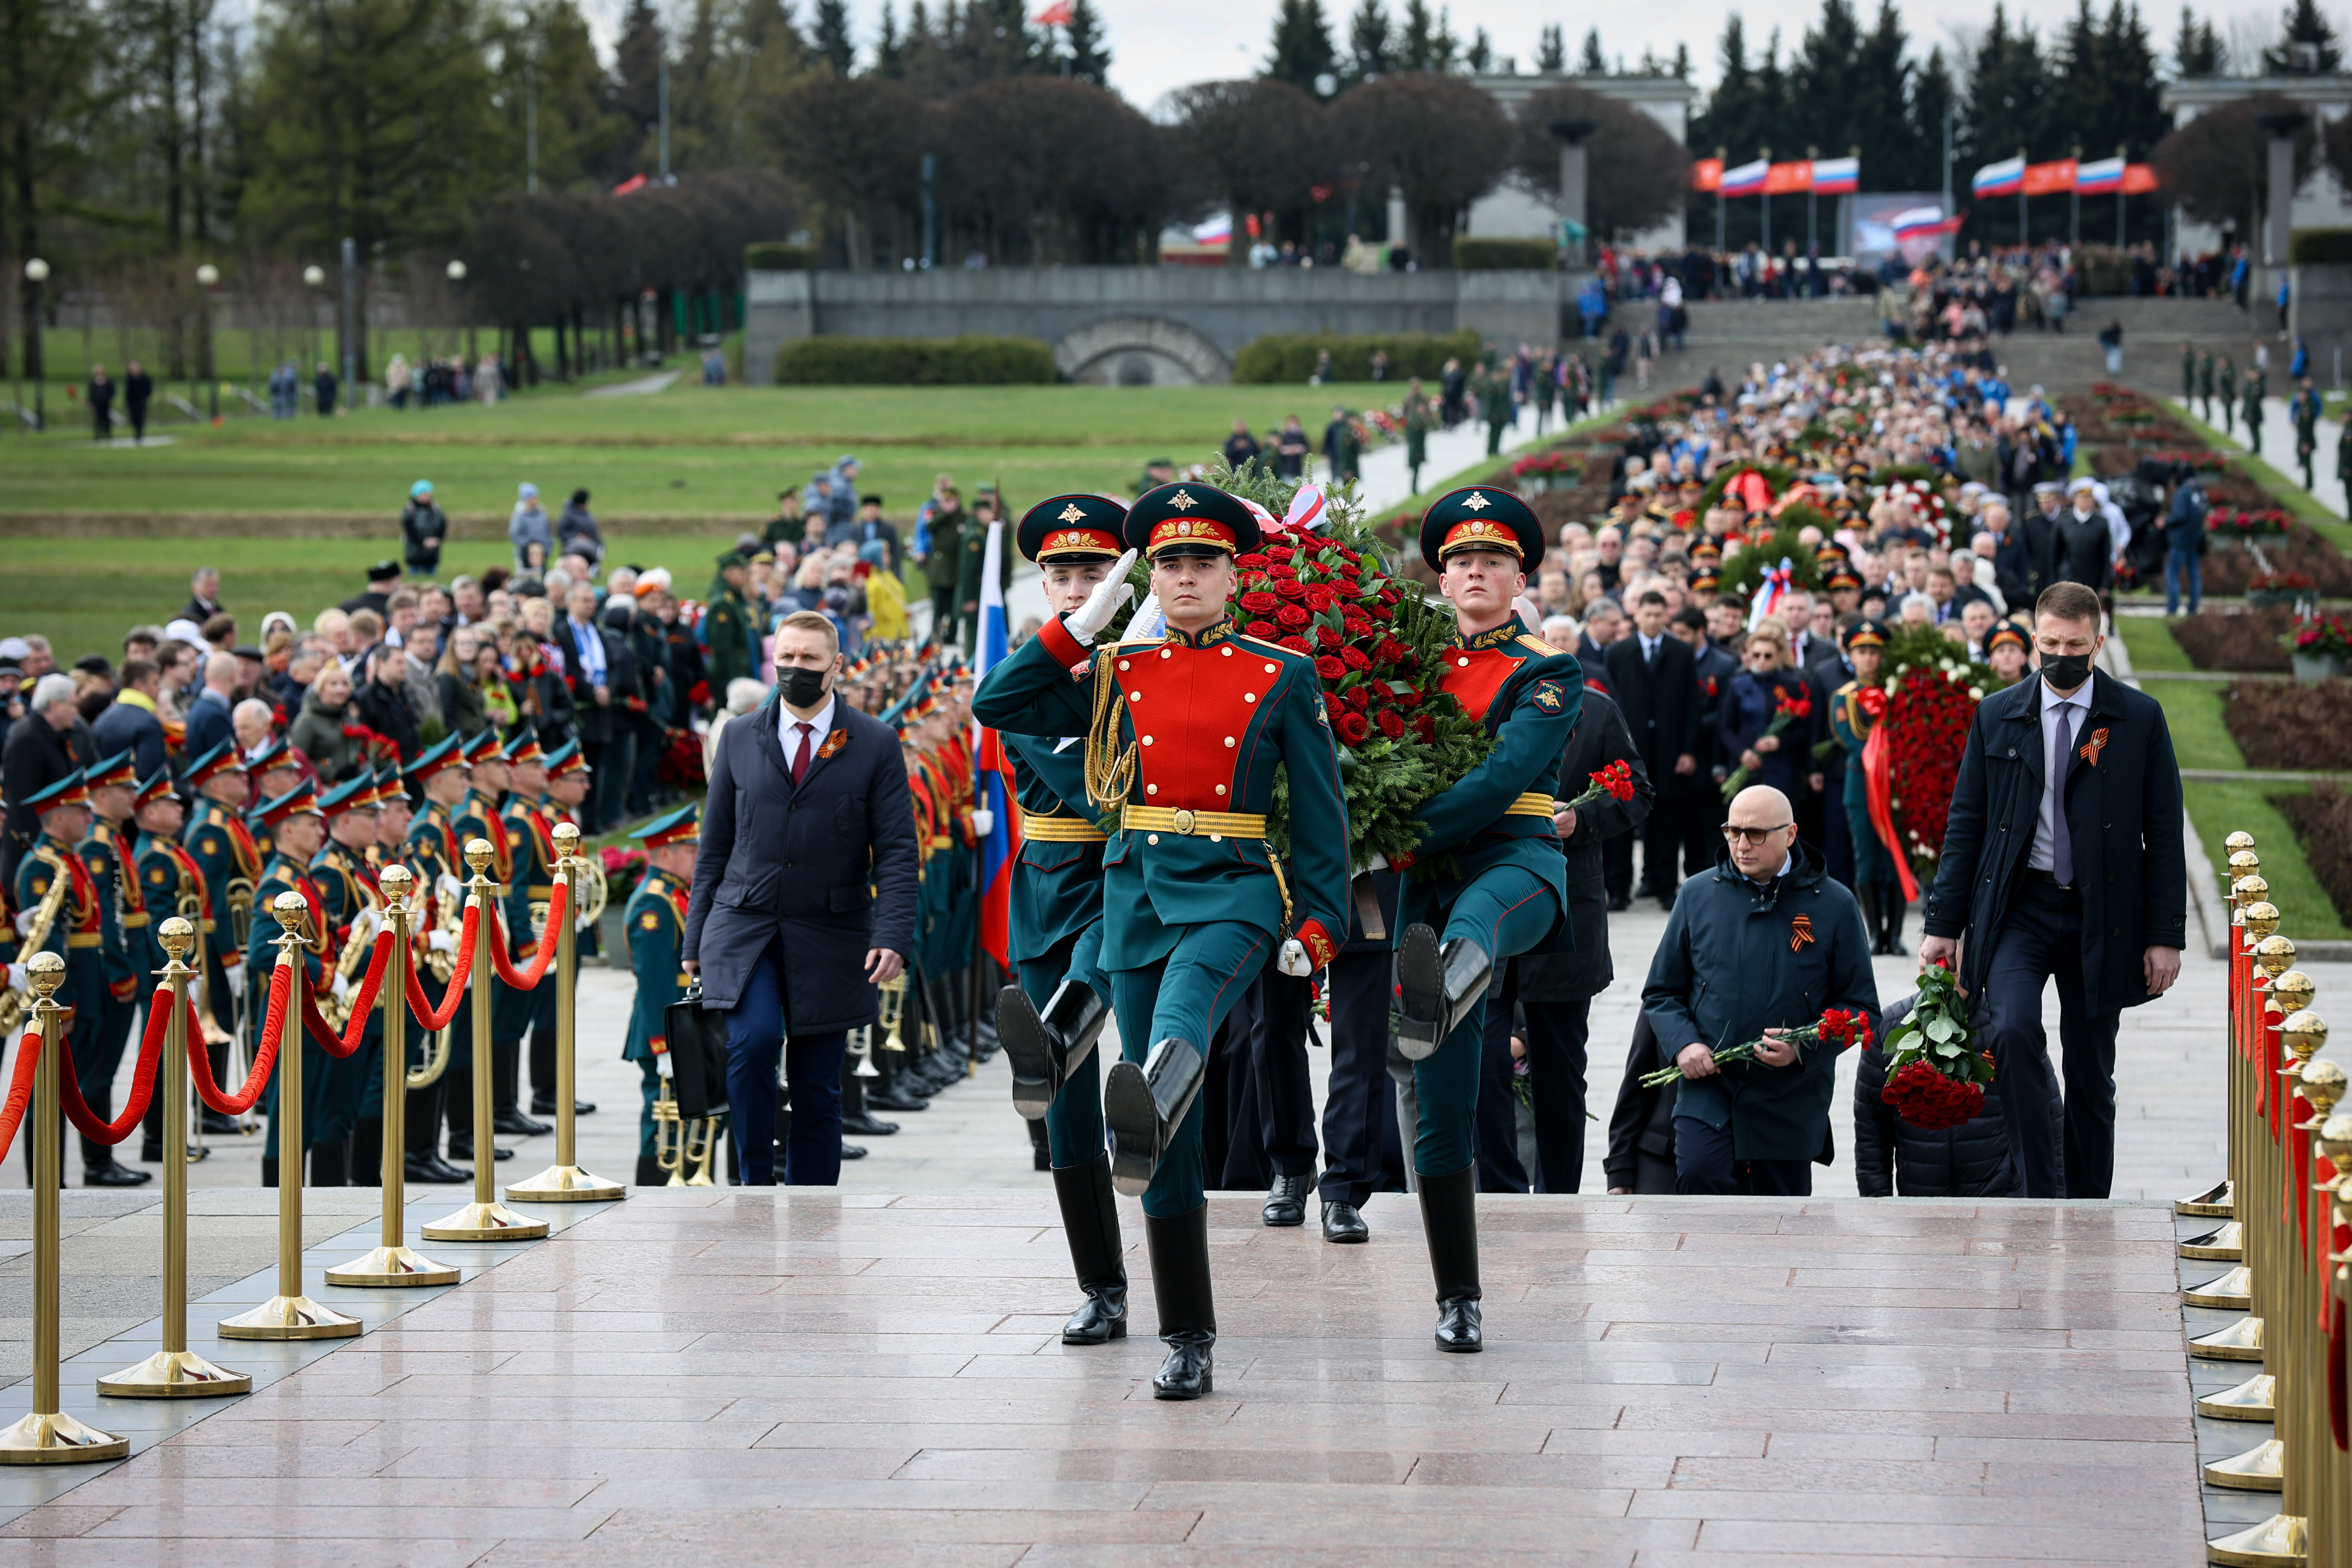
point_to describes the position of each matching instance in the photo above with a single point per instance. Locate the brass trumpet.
(15, 1006)
(680, 1147)
(350, 963)
(894, 1008)
(238, 899)
(864, 1052)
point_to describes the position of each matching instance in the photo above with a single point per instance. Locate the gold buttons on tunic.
(1220, 789)
(1151, 838)
(1249, 696)
(1271, 669)
(1463, 663)
(1226, 651)
(1167, 653)
(1152, 789)
(1229, 739)
(1122, 664)
(1147, 739)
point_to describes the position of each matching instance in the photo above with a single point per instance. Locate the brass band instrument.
(238, 897)
(350, 963)
(679, 1146)
(16, 1005)
(894, 1008)
(437, 1057)
(448, 916)
(862, 1048)
(588, 872)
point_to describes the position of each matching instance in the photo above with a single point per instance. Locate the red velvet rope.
(2335, 1390)
(362, 1005)
(20, 1088)
(143, 1086)
(273, 1029)
(559, 910)
(428, 1017)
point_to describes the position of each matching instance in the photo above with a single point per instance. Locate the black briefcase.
(698, 1054)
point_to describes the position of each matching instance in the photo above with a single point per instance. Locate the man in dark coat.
(1765, 945)
(601, 671)
(2081, 546)
(1712, 668)
(1654, 679)
(39, 752)
(808, 810)
(1894, 1159)
(2086, 882)
(1362, 1150)
(1557, 989)
(130, 723)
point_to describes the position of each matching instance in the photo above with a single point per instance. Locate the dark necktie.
(801, 756)
(2062, 842)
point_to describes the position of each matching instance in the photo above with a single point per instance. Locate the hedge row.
(2318, 247)
(970, 361)
(776, 256)
(1290, 357)
(1474, 253)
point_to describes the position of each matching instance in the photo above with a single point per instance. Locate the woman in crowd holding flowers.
(1765, 953)
(1769, 723)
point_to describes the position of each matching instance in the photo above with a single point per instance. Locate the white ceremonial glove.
(1086, 623)
(1379, 862)
(340, 988)
(18, 979)
(235, 975)
(440, 941)
(1149, 620)
(25, 923)
(365, 928)
(1294, 961)
(983, 821)
(661, 1064)
(448, 886)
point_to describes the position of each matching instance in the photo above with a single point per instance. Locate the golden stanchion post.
(2226, 1242)
(2256, 1399)
(2253, 920)
(2234, 1291)
(393, 1262)
(48, 1436)
(290, 1314)
(2303, 1400)
(2335, 1283)
(175, 1371)
(564, 1182)
(486, 1218)
(2216, 1201)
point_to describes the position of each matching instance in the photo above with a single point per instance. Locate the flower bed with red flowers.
(1378, 652)
(2247, 523)
(1931, 700)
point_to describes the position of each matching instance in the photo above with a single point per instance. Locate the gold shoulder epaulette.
(1540, 648)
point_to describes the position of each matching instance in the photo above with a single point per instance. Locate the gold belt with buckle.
(1192, 824)
(1534, 804)
(1055, 828)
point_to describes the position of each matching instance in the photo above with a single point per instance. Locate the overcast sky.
(1156, 45)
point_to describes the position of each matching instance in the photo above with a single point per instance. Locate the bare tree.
(1636, 175)
(1438, 139)
(1267, 142)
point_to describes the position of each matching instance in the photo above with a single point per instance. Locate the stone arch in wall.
(1141, 351)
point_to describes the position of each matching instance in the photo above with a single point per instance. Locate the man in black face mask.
(803, 900)
(2062, 859)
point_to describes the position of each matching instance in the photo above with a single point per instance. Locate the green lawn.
(2219, 810)
(2192, 710)
(2151, 644)
(2297, 500)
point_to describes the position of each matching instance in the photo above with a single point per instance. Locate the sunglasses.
(1754, 835)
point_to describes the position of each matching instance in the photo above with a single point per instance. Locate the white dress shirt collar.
(820, 724)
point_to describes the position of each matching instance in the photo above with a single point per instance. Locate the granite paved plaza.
(732, 1377)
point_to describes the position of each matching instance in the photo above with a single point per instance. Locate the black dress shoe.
(865, 1126)
(1285, 1201)
(515, 1124)
(853, 1151)
(114, 1173)
(428, 1168)
(151, 1154)
(544, 1105)
(220, 1126)
(1619, 903)
(1344, 1222)
(1439, 987)
(895, 1099)
(461, 1147)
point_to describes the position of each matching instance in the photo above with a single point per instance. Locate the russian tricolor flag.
(2005, 178)
(1747, 180)
(2099, 176)
(993, 788)
(1836, 176)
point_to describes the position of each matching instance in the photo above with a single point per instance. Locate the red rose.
(1390, 595)
(1266, 630)
(1259, 604)
(1329, 669)
(1335, 707)
(1254, 558)
(1425, 728)
(1280, 552)
(1289, 588)
(1291, 616)
(1295, 645)
(1353, 657)
(1391, 725)
(1409, 698)
(1326, 638)
(1360, 699)
(1320, 598)
(1393, 651)
(1353, 729)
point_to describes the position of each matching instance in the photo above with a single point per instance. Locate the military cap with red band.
(1073, 528)
(1481, 517)
(1190, 519)
(222, 759)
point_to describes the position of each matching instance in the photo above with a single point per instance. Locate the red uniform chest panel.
(1192, 709)
(1473, 675)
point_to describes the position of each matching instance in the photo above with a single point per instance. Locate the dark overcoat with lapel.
(831, 863)
(1599, 739)
(2123, 810)
(1660, 700)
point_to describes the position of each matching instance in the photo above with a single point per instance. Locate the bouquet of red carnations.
(1615, 781)
(1934, 1074)
(1838, 1027)
(1787, 708)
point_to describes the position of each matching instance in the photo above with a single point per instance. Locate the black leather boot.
(1449, 1219)
(268, 1171)
(1873, 921)
(649, 1173)
(1043, 1047)
(1188, 1310)
(1891, 901)
(367, 1153)
(854, 1117)
(331, 1164)
(505, 1074)
(1438, 988)
(1144, 1105)
(1090, 1219)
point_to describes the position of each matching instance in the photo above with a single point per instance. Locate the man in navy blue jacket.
(803, 900)
(2062, 859)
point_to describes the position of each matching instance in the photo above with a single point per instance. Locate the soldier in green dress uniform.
(530, 882)
(297, 831)
(2252, 410)
(476, 816)
(341, 1154)
(1875, 884)
(729, 627)
(972, 559)
(1507, 891)
(114, 789)
(1418, 419)
(435, 855)
(2205, 384)
(2187, 373)
(170, 881)
(1184, 730)
(84, 932)
(2344, 459)
(1050, 1021)
(230, 860)
(656, 921)
(2304, 409)
(2225, 382)
(565, 798)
